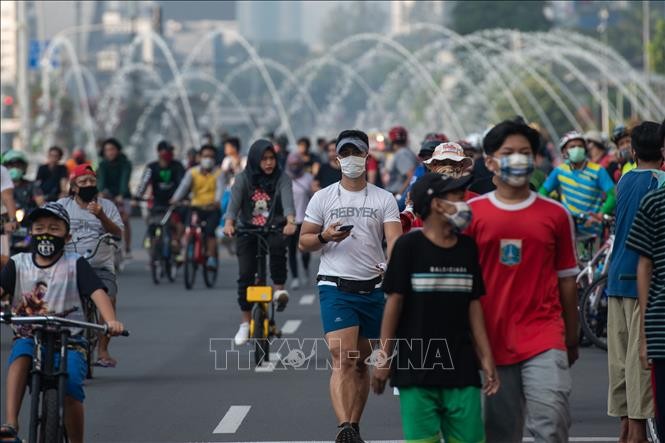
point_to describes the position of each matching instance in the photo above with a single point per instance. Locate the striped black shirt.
(647, 237)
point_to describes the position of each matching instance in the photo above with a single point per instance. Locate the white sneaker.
(242, 336)
(295, 284)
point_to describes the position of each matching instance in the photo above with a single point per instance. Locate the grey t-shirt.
(404, 160)
(86, 229)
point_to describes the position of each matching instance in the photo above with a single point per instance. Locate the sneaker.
(295, 284)
(211, 263)
(346, 434)
(242, 336)
(281, 299)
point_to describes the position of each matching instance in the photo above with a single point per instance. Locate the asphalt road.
(166, 387)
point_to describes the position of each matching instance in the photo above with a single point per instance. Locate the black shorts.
(210, 217)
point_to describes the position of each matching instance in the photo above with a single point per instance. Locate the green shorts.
(430, 413)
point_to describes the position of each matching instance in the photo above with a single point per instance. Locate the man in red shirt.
(528, 260)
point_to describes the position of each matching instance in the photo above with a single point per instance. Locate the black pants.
(246, 248)
(293, 254)
(659, 394)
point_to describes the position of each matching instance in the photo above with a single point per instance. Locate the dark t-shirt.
(328, 175)
(434, 343)
(49, 180)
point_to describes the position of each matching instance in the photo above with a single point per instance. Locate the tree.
(656, 48)
(347, 19)
(471, 16)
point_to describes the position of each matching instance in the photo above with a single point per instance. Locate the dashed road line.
(291, 326)
(307, 299)
(232, 420)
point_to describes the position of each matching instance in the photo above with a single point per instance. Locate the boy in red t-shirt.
(528, 260)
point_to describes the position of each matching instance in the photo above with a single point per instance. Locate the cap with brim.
(50, 209)
(452, 152)
(81, 170)
(427, 148)
(358, 143)
(433, 185)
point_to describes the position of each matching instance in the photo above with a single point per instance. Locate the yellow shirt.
(628, 167)
(204, 187)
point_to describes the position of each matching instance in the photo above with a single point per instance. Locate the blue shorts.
(341, 310)
(77, 367)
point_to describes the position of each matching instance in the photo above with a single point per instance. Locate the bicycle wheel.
(190, 264)
(593, 313)
(156, 270)
(170, 269)
(652, 431)
(49, 421)
(260, 336)
(210, 275)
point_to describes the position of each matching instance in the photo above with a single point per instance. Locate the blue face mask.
(515, 169)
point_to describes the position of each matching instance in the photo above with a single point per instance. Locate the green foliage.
(471, 16)
(657, 48)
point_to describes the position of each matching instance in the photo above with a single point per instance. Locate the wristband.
(321, 239)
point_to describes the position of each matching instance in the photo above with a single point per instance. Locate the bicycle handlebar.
(259, 230)
(51, 320)
(104, 238)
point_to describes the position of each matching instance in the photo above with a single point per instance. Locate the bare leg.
(361, 374)
(74, 419)
(637, 431)
(211, 246)
(104, 341)
(623, 432)
(17, 380)
(343, 346)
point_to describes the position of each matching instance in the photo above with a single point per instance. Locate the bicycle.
(90, 309)
(195, 253)
(262, 326)
(159, 244)
(47, 386)
(592, 280)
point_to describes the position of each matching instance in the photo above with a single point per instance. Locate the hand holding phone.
(345, 228)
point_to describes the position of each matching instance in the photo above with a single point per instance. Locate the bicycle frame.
(193, 230)
(44, 376)
(601, 257)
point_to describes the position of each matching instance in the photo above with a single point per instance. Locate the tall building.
(271, 21)
(8, 42)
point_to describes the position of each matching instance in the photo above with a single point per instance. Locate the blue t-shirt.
(631, 188)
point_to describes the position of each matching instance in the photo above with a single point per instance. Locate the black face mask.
(88, 193)
(47, 245)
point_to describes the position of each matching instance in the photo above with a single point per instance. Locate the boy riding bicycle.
(205, 183)
(50, 281)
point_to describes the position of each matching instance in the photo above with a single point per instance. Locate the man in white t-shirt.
(7, 212)
(350, 273)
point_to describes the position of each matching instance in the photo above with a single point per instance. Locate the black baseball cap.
(433, 185)
(427, 148)
(51, 209)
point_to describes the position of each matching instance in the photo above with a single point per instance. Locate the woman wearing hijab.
(261, 196)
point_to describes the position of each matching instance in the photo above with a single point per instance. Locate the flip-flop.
(105, 363)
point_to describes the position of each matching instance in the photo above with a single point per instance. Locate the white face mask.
(352, 166)
(207, 163)
(462, 216)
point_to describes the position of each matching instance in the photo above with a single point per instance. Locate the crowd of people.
(427, 255)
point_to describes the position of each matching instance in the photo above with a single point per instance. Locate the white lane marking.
(291, 326)
(275, 357)
(232, 420)
(395, 391)
(307, 299)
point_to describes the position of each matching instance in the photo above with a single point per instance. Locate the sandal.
(105, 363)
(8, 433)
